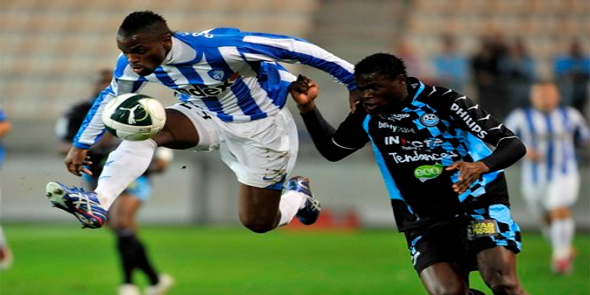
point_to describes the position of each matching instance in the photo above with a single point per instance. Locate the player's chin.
(143, 71)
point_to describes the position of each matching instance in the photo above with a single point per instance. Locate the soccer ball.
(134, 117)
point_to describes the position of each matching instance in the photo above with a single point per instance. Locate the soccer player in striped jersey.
(232, 91)
(447, 188)
(550, 177)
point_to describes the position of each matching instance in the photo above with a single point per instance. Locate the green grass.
(62, 259)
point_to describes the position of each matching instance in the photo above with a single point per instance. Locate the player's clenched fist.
(304, 92)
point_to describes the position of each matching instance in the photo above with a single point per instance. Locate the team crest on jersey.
(429, 119)
(217, 74)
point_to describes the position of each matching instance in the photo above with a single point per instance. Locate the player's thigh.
(439, 244)
(261, 153)
(259, 204)
(498, 266)
(534, 196)
(188, 127)
(445, 278)
(562, 192)
(123, 212)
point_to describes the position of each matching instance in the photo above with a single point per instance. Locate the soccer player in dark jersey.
(122, 216)
(447, 188)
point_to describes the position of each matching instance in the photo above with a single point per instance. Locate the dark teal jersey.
(413, 145)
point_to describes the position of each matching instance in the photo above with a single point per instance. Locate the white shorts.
(261, 152)
(558, 193)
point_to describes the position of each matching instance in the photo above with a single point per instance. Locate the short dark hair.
(142, 20)
(381, 63)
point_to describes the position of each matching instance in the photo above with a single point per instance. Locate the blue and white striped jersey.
(231, 74)
(553, 136)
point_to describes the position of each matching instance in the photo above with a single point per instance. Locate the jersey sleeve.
(477, 121)
(514, 122)
(581, 132)
(471, 117)
(324, 135)
(269, 47)
(351, 134)
(124, 81)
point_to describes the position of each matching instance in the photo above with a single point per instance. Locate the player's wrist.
(306, 108)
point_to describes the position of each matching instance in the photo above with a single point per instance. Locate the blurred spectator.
(451, 67)
(5, 253)
(572, 71)
(486, 72)
(5, 127)
(414, 63)
(518, 71)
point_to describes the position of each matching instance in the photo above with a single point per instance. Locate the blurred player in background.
(232, 91)
(5, 252)
(122, 216)
(447, 189)
(550, 177)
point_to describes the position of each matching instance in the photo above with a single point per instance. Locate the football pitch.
(63, 259)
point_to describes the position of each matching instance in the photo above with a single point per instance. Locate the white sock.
(562, 235)
(125, 164)
(291, 202)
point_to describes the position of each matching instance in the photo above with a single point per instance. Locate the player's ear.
(401, 79)
(167, 41)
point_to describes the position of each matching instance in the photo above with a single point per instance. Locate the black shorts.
(460, 239)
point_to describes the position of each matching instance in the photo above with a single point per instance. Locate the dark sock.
(134, 255)
(144, 264)
(126, 246)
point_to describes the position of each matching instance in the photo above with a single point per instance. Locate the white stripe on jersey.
(257, 57)
(248, 75)
(551, 135)
(301, 47)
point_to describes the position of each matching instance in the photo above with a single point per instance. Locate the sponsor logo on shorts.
(482, 228)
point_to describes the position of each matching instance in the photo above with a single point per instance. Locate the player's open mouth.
(137, 69)
(370, 106)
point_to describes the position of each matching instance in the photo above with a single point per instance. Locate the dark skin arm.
(304, 91)
(468, 173)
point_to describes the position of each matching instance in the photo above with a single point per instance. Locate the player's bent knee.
(442, 289)
(508, 288)
(503, 284)
(178, 132)
(258, 225)
(560, 213)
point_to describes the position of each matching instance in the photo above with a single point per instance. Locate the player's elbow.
(519, 149)
(332, 157)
